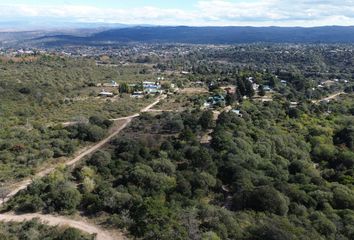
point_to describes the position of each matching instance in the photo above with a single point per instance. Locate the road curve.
(55, 220)
(63, 221)
(87, 151)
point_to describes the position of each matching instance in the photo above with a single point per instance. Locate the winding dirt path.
(330, 97)
(55, 220)
(66, 222)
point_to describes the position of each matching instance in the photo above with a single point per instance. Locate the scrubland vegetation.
(35, 230)
(282, 170)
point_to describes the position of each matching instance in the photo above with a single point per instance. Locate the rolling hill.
(206, 35)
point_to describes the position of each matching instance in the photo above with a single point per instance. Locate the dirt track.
(54, 220)
(62, 221)
(334, 95)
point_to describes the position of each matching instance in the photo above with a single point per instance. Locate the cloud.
(204, 12)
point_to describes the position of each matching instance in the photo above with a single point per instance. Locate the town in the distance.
(174, 132)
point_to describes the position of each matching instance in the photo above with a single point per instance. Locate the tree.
(88, 132)
(124, 88)
(71, 234)
(65, 197)
(249, 91)
(231, 98)
(207, 120)
(100, 159)
(323, 225)
(241, 86)
(100, 121)
(155, 220)
(345, 136)
(261, 91)
(274, 230)
(29, 203)
(265, 199)
(343, 197)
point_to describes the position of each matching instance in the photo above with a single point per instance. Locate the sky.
(304, 13)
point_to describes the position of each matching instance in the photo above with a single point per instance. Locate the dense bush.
(35, 230)
(256, 180)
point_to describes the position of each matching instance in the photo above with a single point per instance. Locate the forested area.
(268, 175)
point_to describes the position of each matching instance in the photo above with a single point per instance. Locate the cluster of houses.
(255, 86)
(152, 88)
(146, 88)
(330, 83)
(215, 101)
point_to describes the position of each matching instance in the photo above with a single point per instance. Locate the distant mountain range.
(205, 35)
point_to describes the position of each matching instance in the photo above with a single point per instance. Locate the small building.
(152, 88)
(237, 112)
(137, 94)
(152, 91)
(283, 82)
(104, 93)
(132, 85)
(215, 101)
(293, 104)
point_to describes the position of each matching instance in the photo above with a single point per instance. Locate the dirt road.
(84, 152)
(332, 96)
(62, 221)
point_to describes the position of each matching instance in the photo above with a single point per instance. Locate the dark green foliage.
(162, 221)
(124, 88)
(33, 230)
(87, 132)
(54, 193)
(25, 90)
(207, 120)
(100, 121)
(346, 137)
(261, 91)
(277, 229)
(264, 199)
(65, 197)
(71, 234)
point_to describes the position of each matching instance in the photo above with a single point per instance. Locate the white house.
(237, 112)
(137, 94)
(104, 93)
(151, 87)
